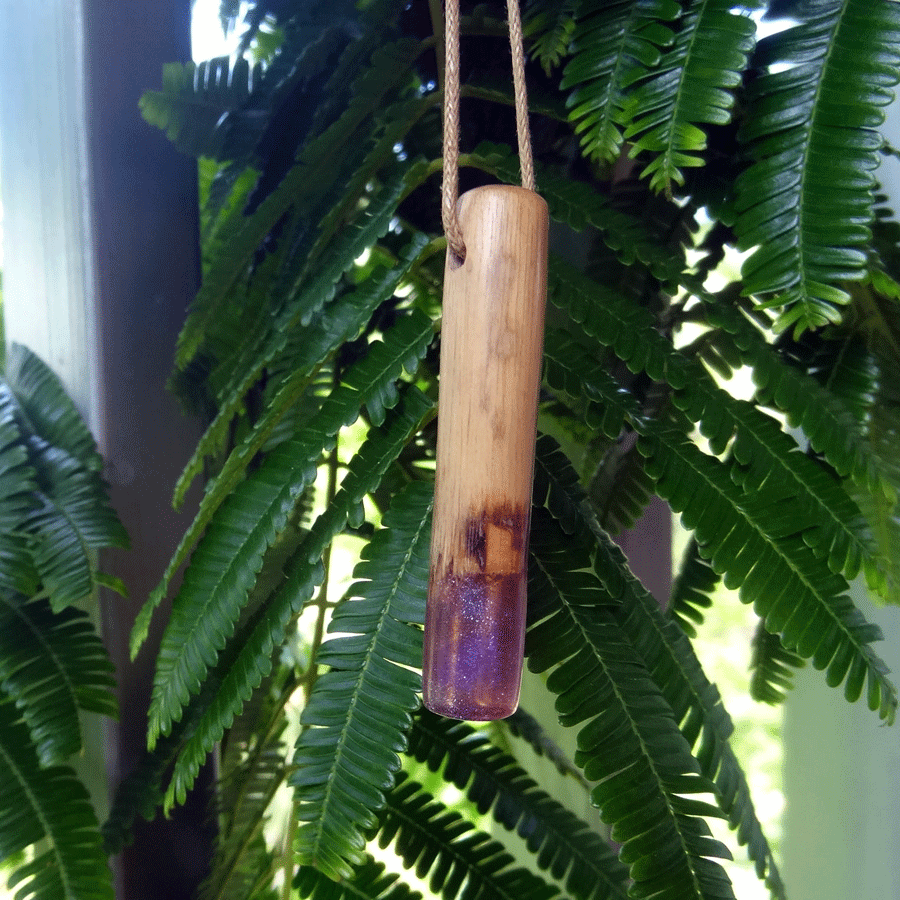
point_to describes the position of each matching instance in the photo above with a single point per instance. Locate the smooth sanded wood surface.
(491, 347)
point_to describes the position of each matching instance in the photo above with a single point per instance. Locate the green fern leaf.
(836, 528)
(691, 85)
(311, 177)
(550, 26)
(241, 858)
(771, 667)
(806, 201)
(53, 665)
(359, 712)
(754, 541)
(448, 851)
(614, 45)
(369, 881)
(696, 703)
(248, 659)
(50, 808)
(563, 844)
(628, 730)
(671, 662)
(46, 409)
(692, 589)
(404, 346)
(194, 105)
(71, 521)
(17, 488)
(825, 412)
(58, 513)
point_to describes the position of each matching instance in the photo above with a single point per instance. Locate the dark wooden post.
(102, 260)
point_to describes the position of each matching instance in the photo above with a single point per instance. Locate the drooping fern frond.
(17, 488)
(196, 103)
(369, 881)
(59, 513)
(675, 669)
(283, 478)
(579, 205)
(806, 201)
(53, 666)
(628, 733)
(691, 85)
(552, 25)
(48, 808)
(448, 851)
(567, 847)
(614, 45)
(358, 715)
(691, 590)
(248, 659)
(45, 407)
(773, 459)
(253, 769)
(772, 667)
(754, 541)
(829, 411)
(318, 165)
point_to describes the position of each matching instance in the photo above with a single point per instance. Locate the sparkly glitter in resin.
(474, 633)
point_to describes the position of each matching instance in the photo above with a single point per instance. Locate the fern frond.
(369, 881)
(614, 46)
(573, 853)
(691, 591)
(628, 731)
(691, 85)
(550, 27)
(523, 725)
(17, 488)
(59, 512)
(771, 667)
(754, 541)
(247, 789)
(239, 240)
(45, 407)
(196, 103)
(827, 412)
(447, 850)
(806, 201)
(365, 384)
(358, 715)
(836, 527)
(53, 665)
(72, 520)
(675, 669)
(696, 703)
(50, 808)
(248, 659)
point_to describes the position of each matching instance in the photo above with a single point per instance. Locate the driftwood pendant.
(491, 348)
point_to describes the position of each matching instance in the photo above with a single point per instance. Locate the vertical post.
(101, 261)
(146, 257)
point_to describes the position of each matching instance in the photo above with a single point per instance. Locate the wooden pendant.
(491, 348)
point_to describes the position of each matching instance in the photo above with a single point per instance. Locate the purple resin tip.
(474, 638)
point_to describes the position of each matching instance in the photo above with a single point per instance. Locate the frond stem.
(321, 603)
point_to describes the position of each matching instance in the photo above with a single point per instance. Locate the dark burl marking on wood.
(509, 519)
(476, 540)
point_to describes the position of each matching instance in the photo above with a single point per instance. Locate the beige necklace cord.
(450, 184)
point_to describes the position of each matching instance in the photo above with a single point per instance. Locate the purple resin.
(474, 637)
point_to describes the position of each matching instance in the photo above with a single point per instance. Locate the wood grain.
(491, 347)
